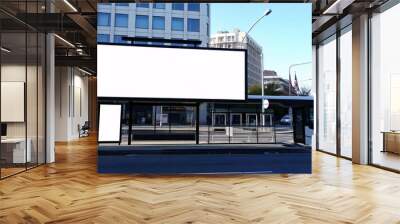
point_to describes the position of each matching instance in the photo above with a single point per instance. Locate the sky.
(285, 34)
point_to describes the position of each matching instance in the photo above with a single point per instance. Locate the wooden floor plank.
(71, 191)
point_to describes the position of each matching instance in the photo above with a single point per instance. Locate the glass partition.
(22, 78)
(327, 95)
(346, 93)
(385, 89)
(15, 149)
(31, 99)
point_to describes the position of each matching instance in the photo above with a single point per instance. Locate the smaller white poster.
(109, 123)
(265, 104)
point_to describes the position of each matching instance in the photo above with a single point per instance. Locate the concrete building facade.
(238, 39)
(272, 77)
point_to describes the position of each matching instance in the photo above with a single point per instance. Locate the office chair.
(84, 130)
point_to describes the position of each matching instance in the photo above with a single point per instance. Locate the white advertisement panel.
(170, 73)
(109, 123)
(12, 101)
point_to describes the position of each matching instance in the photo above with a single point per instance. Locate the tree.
(254, 90)
(273, 89)
(304, 91)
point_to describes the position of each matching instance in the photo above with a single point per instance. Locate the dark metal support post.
(273, 123)
(338, 98)
(258, 120)
(155, 118)
(169, 119)
(130, 117)
(197, 123)
(229, 125)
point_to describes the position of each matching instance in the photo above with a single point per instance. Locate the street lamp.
(266, 13)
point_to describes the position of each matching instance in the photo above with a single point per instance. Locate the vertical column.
(314, 91)
(360, 90)
(50, 91)
(50, 98)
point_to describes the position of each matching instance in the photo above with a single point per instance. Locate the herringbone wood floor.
(70, 191)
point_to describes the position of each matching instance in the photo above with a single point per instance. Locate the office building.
(174, 21)
(238, 39)
(180, 21)
(355, 163)
(270, 77)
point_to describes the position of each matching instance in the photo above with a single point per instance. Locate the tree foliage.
(304, 91)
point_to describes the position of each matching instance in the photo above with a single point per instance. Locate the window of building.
(121, 20)
(177, 44)
(121, 4)
(159, 5)
(142, 22)
(118, 39)
(193, 25)
(177, 24)
(103, 38)
(191, 45)
(141, 42)
(194, 7)
(142, 5)
(178, 6)
(158, 22)
(103, 19)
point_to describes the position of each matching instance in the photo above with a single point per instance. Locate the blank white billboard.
(170, 73)
(109, 123)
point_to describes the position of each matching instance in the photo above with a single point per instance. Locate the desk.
(13, 150)
(391, 141)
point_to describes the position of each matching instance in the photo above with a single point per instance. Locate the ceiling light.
(337, 7)
(84, 71)
(70, 5)
(64, 40)
(5, 50)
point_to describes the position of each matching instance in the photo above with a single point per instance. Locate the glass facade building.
(183, 21)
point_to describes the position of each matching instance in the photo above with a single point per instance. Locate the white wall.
(71, 102)
(17, 73)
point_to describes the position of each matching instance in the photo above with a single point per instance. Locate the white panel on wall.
(170, 73)
(12, 101)
(109, 123)
(395, 102)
